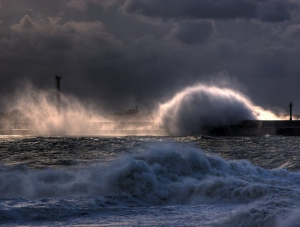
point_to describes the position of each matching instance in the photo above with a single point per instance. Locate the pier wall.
(244, 128)
(257, 128)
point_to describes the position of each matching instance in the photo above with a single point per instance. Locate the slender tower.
(58, 78)
(291, 115)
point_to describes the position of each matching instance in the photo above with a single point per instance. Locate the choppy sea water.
(150, 181)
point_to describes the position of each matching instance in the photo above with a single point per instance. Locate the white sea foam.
(292, 219)
(165, 174)
(161, 177)
(203, 105)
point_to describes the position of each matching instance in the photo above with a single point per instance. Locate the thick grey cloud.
(276, 11)
(82, 5)
(271, 11)
(194, 32)
(117, 60)
(167, 9)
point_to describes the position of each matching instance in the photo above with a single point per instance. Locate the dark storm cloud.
(44, 35)
(168, 9)
(275, 11)
(194, 32)
(39, 47)
(271, 11)
(82, 5)
(118, 61)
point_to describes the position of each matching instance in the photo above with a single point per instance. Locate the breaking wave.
(202, 105)
(164, 174)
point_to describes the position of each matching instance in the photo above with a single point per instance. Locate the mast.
(291, 107)
(58, 78)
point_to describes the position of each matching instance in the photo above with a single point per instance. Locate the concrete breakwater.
(244, 128)
(256, 128)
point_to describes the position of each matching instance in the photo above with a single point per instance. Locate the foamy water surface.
(149, 181)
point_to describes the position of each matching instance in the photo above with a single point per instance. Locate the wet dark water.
(149, 181)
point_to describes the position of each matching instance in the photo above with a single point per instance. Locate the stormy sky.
(119, 53)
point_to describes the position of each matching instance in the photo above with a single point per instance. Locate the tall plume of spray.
(203, 105)
(71, 117)
(40, 109)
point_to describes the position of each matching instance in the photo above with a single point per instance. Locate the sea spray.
(201, 105)
(186, 113)
(37, 110)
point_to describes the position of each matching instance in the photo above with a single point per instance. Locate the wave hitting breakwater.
(185, 114)
(202, 105)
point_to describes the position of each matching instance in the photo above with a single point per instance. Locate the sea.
(150, 181)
